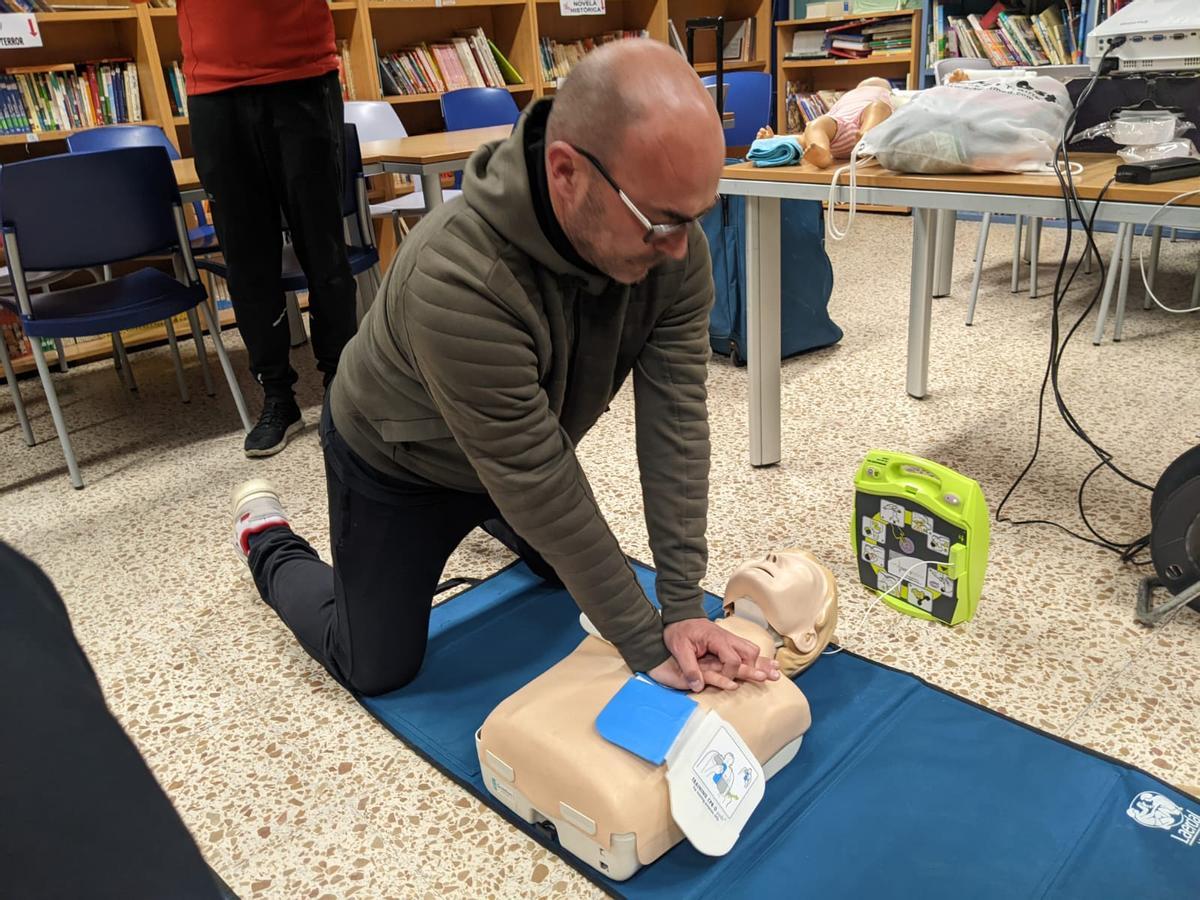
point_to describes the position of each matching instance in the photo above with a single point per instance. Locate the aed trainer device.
(920, 533)
(1154, 171)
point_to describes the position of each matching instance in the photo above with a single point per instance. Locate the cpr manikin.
(540, 753)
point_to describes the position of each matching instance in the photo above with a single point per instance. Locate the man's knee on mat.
(371, 681)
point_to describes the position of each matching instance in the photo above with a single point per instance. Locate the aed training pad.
(899, 790)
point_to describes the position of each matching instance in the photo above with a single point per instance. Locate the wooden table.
(424, 155)
(1029, 195)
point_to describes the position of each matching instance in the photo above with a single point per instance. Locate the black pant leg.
(306, 118)
(366, 618)
(80, 813)
(233, 166)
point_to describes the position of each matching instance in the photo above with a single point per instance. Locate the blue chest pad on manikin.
(714, 781)
(645, 718)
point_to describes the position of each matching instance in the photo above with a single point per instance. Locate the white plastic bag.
(999, 125)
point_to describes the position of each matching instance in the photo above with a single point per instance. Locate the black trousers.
(366, 617)
(260, 150)
(80, 813)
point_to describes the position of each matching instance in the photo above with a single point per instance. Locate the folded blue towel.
(784, 150)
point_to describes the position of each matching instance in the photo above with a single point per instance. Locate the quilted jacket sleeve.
(478, 362)
(673, 441)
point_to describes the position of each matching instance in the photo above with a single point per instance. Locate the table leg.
(1155, 245)
(1016, 254)
(1123, 287)
(431, 185)
(920, 301)
(1035, 241)
(947, 219)
(763, 334)
(1110, 279)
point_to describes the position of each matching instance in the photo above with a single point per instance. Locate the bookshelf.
(812, 75)
(679, 11)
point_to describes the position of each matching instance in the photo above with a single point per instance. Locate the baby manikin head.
(791, 595)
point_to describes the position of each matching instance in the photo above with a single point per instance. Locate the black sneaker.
(279, 420)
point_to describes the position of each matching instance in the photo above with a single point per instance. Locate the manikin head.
(791, 595)
(633, 109)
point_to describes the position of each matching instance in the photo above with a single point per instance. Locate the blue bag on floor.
(806, 279)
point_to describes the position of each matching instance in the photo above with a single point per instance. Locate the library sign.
(581, 7)
(19, 30)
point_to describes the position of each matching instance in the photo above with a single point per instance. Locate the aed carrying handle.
(716, 23)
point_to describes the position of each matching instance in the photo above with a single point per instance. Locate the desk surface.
(420, 149)
(1097, 169)
(442, 146)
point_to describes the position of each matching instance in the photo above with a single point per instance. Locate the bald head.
(629, 83)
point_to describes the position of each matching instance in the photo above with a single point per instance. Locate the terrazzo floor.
(292, 790)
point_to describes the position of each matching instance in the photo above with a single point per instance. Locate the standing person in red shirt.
(266, 118)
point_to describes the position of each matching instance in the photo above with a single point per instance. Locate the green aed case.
(920, 534)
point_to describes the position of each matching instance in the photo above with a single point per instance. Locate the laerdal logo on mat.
(1153, 810)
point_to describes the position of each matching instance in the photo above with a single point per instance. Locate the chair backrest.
(478, 107)
(376, 120)
(78, 210)
(115, 137)
(748, 97)
(943, 67)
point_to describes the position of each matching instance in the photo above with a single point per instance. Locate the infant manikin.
(541, 755)
(834, 134)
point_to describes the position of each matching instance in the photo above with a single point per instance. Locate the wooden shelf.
(164, 12)
(35, 137)
(439, 4)
(901, 60)
(790, 23)
(397, 99)
(88, 15)
(343, 5)
(739, 66)
(180, 121)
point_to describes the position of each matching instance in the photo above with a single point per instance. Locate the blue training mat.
(899, 790)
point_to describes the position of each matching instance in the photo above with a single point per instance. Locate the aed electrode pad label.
(722, 775)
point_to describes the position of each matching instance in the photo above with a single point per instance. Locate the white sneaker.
(256, 507)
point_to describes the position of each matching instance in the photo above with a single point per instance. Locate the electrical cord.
(1065, 171)
(878, 597)
(1142, 257)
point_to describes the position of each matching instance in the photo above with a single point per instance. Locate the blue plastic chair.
(478, 107)
(125, 204)
(361, 250)
(115, 137)
(748, 97)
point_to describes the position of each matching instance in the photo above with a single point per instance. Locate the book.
(511, 75)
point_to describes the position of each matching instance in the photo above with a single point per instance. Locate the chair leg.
(299, 336)
(396, 227)
(62, 355)
(198, 337)
(234, 388)
(10, 376)
(1155, 244)
(1035, 242)
(1123, 287)
(1087, 257)
(183, 388)
(1016, 255)
(123, 357)
(980, 248)
(60, 424)
(1110, 279)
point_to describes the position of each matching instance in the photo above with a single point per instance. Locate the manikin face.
(791, 592)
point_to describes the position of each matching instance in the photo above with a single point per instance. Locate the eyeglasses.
(653, 232)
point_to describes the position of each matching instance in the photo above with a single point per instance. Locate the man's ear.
(562, 170)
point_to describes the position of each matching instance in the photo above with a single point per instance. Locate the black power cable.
(1073, 209)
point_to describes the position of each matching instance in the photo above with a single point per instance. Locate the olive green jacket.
(487, 357)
